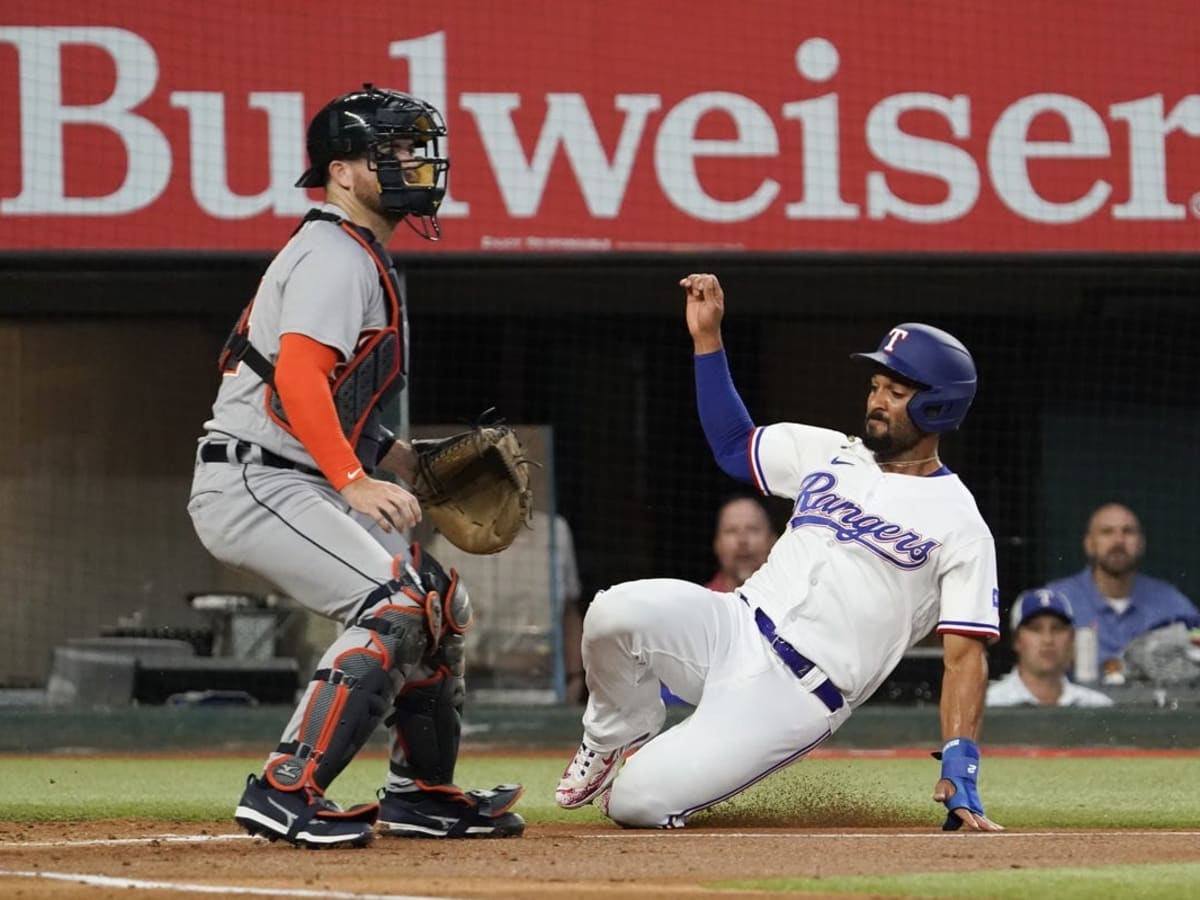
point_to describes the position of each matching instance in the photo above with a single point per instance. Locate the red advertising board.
(616, 125)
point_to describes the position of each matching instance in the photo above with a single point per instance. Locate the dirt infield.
(592, 861)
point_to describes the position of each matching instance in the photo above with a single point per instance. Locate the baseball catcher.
(288, 485)
(474, 486)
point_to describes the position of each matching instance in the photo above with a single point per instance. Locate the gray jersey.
(322, 284)
(288, 526)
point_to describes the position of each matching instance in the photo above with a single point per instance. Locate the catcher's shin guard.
(343, 706)
(347, 701)
(427, 719)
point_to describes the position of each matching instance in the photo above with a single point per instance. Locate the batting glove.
(960, 766)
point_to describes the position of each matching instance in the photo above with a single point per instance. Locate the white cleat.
(590, 772)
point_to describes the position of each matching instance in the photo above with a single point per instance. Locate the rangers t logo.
(896, 334)
(818, 505)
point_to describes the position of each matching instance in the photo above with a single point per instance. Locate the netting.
(1019, 180)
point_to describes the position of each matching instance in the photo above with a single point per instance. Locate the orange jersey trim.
(302, 374)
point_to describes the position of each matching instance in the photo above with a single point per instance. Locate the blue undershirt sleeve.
(726, 423)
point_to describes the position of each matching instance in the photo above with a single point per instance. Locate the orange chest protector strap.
(377, 371)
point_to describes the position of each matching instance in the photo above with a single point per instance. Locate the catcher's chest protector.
(379, 367)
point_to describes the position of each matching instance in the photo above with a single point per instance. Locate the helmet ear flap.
(933, 413)
(927, 412)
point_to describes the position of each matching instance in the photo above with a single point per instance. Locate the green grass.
(1023, 793)
(1145, 882)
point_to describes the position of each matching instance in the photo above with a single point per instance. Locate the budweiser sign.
(142, 135)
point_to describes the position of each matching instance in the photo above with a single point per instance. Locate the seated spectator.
(743, 539)
(1043, 636)
(511, 645)
(1111, 594)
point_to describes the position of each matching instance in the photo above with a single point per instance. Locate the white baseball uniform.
(869, 564)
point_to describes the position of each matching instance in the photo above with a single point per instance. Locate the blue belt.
(800, 664)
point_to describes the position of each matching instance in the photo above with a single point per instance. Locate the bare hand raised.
(705, 309)
(388, 504)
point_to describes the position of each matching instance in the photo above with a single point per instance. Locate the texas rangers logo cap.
(1043, 600)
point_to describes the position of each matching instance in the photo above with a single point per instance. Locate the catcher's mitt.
(474, 486)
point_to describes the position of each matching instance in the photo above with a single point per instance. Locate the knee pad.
(428, 595)
(456, 615)
(344, 705)
(406, 616)
(401, 637)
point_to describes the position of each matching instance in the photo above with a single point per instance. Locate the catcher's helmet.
(938, 364)
(361, 125)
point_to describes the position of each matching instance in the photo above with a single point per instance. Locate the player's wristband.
(960, 766)
(960, 759)
(387, 441)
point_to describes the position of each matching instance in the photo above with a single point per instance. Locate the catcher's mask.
(938, 364)
(373, 124)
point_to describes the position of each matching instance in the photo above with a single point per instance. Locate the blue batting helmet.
(938, 363)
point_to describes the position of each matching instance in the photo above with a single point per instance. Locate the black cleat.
(445, 811)
(303, 818)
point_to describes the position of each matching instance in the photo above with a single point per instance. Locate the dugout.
(1086, 393)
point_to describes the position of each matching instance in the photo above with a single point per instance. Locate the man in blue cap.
(1043, 629)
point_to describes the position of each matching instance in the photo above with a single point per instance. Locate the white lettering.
(1010, 148)
(568, 123)
(676, 149)
(923, 156)
(44, 119)
(426, 58)
(822, 161)
(1148, 128)
(748, 174)
(896, 334)
(818, 60)
(285, 137)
